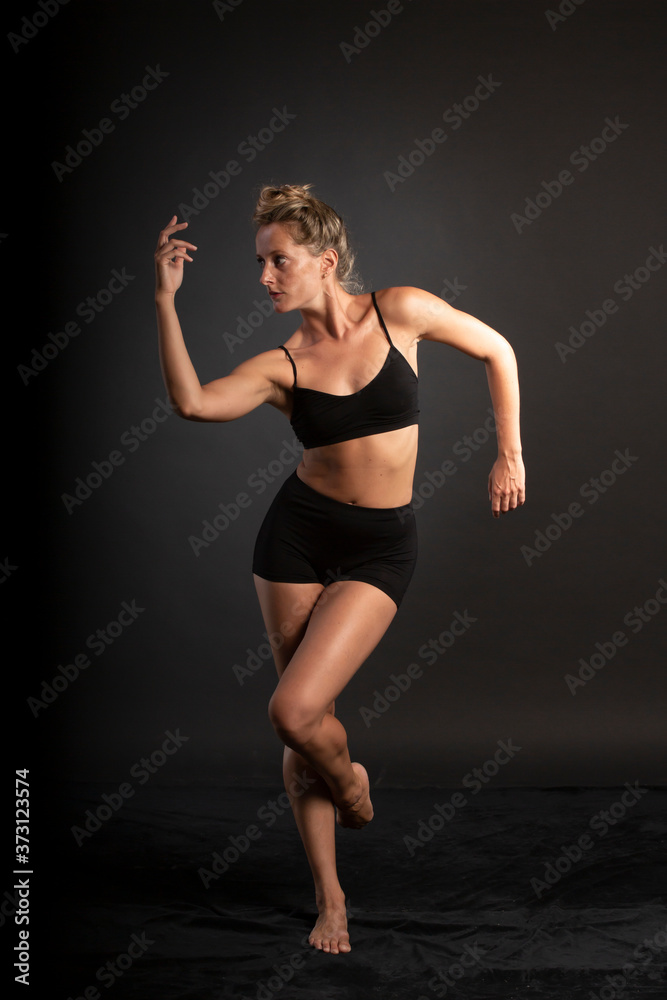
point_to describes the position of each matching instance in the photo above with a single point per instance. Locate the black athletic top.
(387, 402)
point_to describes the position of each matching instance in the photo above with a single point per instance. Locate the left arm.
(434, 319)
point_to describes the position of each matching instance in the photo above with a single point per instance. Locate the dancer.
(338, 545)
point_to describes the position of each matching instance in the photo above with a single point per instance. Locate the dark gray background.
(450, 220)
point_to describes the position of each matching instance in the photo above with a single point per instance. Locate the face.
(292, 276)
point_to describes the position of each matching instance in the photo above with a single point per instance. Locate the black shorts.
(307, 537)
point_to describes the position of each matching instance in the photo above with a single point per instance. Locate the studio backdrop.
(505, 156)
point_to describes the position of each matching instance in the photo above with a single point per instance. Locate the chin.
(281, 306)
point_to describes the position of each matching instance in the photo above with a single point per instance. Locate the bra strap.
(291, 362)
(382, 323)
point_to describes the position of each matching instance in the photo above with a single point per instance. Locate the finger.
(519, 489)
(177, 240)
(172, 227)
(173, 245)
(518, 497)
(167, 231)
(173, 254)
(502, 500)
(173, 248)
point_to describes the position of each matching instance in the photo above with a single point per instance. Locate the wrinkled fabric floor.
(549, 893)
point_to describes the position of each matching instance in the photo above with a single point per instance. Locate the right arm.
(226, 398)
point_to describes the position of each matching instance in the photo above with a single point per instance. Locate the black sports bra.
(387, 402)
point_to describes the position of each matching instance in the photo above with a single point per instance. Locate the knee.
(293, 722)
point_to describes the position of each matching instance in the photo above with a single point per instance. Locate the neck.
(331, 315)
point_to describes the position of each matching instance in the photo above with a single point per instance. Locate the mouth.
(275, 295)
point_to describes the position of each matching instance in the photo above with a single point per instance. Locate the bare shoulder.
(424, 316)
(268, 364)
(409, 308)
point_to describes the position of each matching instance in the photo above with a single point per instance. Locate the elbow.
(501, 354)
(186, 410)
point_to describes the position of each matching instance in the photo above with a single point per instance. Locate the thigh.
(347, 622)
(286, 609)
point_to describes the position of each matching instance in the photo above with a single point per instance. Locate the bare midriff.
(373, 471)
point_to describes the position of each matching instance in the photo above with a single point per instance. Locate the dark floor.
(554, 893)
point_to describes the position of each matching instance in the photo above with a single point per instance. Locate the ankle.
(330, 896)
(352, 794)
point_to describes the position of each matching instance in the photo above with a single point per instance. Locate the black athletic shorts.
(307, 537)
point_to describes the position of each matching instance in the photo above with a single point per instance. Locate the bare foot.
(330, 931)
(360, 811)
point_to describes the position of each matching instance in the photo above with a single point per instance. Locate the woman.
(338, 545)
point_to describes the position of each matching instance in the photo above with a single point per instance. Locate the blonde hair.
(312, 224)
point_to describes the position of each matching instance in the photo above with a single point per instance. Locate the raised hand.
(169, 256)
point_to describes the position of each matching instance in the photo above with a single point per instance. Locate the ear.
(329, 262)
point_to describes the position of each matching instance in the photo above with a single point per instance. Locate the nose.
(265, 277)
